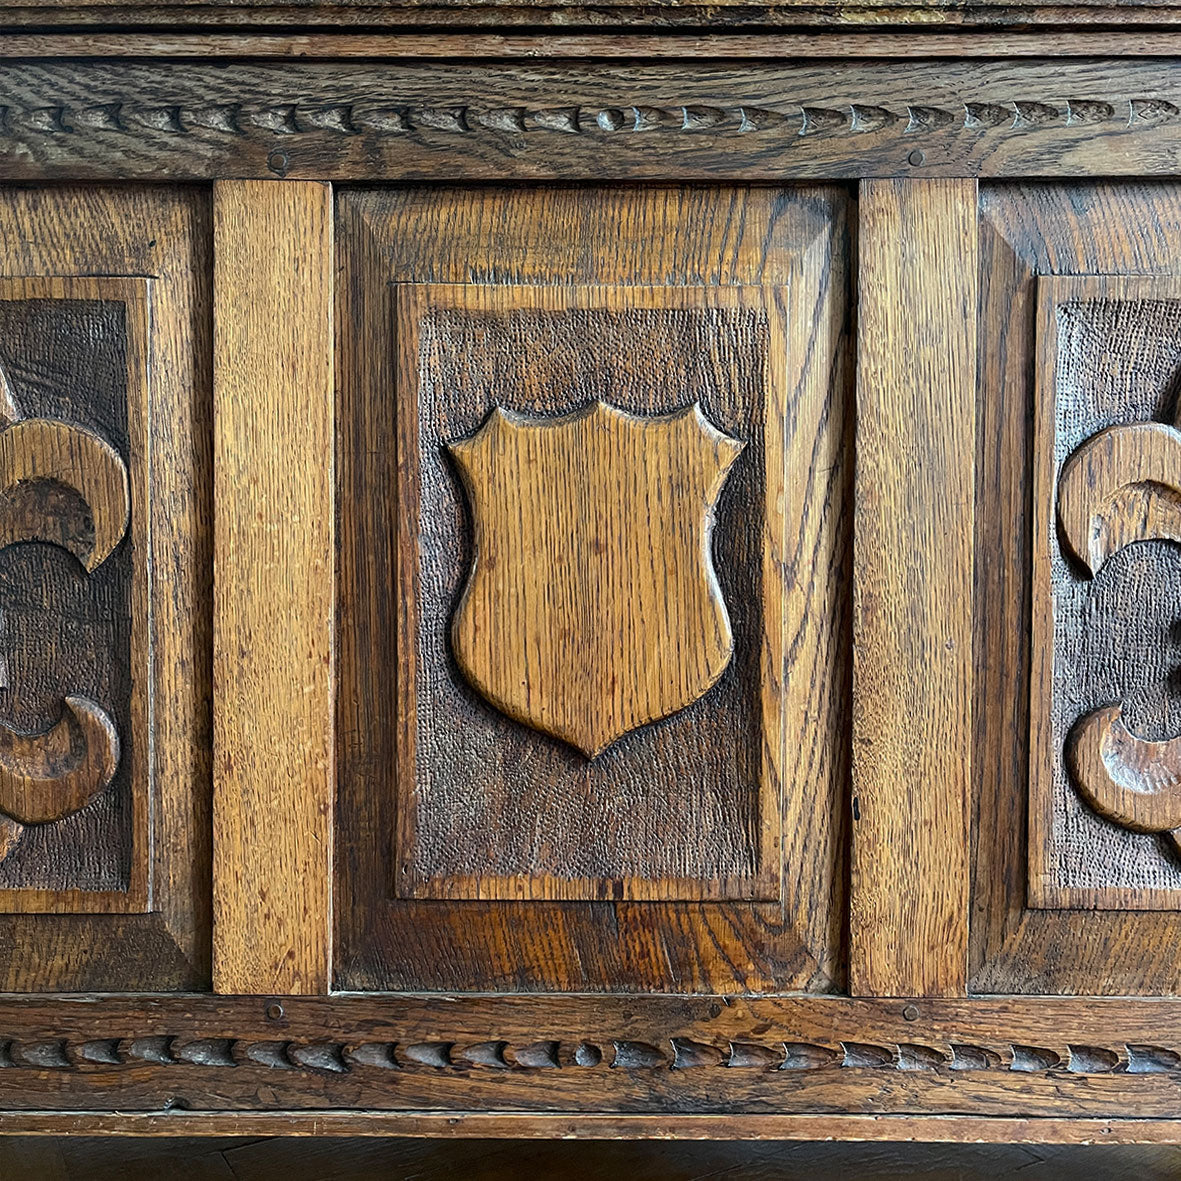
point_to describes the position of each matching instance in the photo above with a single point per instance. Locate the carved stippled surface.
(1116, 636)
(64, 631)
(678, 799)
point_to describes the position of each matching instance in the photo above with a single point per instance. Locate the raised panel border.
(129, 230)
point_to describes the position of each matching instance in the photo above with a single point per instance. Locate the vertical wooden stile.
(273, 586)
(913, 562)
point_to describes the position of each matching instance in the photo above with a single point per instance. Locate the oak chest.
(591, 569)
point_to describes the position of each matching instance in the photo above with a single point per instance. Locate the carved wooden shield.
(592, 606)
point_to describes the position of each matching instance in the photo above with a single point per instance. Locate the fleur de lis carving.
(1121, 486)
(51, 775)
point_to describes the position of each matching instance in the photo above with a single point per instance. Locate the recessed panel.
(1075, 874)
(75, 770)
(585, 521)
(593, 666)
(1107, 587)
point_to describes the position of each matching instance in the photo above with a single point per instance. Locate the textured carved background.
(62, 631)
(1118, 637)
(678, 798)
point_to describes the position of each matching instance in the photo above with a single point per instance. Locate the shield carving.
(592, 606)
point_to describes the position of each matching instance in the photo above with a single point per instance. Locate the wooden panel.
(273, 397)
(1103, 698)
(83, 351)
(493, 810)
(664, 258)
(912, 598)
(75, 741)
(1120, 362)
(537, 120)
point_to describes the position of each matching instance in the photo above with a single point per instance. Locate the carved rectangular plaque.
(1105, 696)
(682, 806)
(75, 673)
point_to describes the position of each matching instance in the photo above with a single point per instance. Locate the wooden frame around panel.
(927, 1058)
(378, 935)
(1031, 229)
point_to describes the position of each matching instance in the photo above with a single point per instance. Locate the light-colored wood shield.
(592, 606)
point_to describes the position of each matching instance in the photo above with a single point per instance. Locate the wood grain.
(537, 1057)
(76, 618)
(912, 595)
(1050, 15)
(54, 239)
(615, 826)
(592, 607)
(412, 46)
(274, 592)
(447, 1126)
(1028, 232)
(419, 121)
(672, 237)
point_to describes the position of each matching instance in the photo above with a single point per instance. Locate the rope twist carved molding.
(334, 1057)
(804, 120)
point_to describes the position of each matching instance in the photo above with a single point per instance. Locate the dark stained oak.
(612, 827)
(544, 120)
